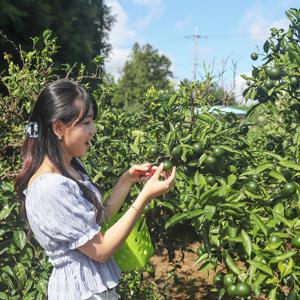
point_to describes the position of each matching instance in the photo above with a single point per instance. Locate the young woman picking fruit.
(62, 205)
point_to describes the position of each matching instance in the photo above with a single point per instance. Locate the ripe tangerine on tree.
(176, 151)
(254, 56)
(277, 139)
(290, 213)
(218, 152)
(231, 288)
(167, 165)
(153, 150)
(253, 186)
(268, 84)
(244, 129)
(289, 189)
(296, 241)
(294, 81)
(210, 180)
(228, 279)
(270, 146)
(211, 161)
(230, 117)
(242, 289)
(218, 280)
(106, 170)
(273, 73)
(197, 148)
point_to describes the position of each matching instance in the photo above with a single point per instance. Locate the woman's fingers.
(140, 169)
(158, 171)
(171, 178)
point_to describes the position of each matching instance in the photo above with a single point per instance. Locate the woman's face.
(77, 138)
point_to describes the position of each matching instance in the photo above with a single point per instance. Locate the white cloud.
(182, 23)
(260, 28)
(121, 37)
(148, 2)
(124, 33)
(145, 21)
(114, 65)
(121, 32)
(154, 11)
(258, 20)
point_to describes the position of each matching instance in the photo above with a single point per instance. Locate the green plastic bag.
(137, 249)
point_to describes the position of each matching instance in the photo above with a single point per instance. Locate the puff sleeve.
(58, 211)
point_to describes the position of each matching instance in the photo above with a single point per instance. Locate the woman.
(63, 207)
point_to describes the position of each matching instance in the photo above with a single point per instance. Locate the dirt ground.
(189, 283)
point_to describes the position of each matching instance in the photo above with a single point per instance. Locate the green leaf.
(4, 296)
(6, 211)
(277, 176)
(273, 246)
(20, 239)
(209, 211)
(288, 269)
(256, 284)
(197, 178)
(20, 275)
(229, 149)
(42, 286)
(166, 204)
(273, 294)
(201, 258)
(208, 265)
(290, 164)
(183, 216)
(246, 240)
(176, 219)
(252, 94)
(259, 223)
(283, 256)
(231, 264)
(283, 219)
(8, 270)
(296, 138)
(195, 213)
(266, 46)
(262, 267)
(279, 209)
(231, 179)
(263, 167)
(172, 100)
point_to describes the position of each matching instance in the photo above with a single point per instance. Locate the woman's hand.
(156, 187)
(137, 173)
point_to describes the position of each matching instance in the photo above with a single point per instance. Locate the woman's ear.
(59, 129)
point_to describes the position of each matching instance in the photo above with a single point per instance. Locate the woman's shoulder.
(49, 183)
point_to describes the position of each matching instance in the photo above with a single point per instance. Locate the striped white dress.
(62, 220)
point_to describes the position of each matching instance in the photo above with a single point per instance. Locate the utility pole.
(196, 37)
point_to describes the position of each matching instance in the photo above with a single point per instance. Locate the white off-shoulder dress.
(62, 219)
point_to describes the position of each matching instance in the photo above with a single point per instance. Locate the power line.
(196, 37)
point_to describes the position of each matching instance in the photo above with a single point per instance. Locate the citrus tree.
(237, 182)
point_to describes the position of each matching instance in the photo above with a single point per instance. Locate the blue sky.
(230, 31)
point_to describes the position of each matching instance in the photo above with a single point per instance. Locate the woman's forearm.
(118, 195)
(102, 247)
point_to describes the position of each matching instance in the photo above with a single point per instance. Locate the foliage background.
(233, 219)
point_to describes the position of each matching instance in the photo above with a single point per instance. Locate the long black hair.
(63, 100)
